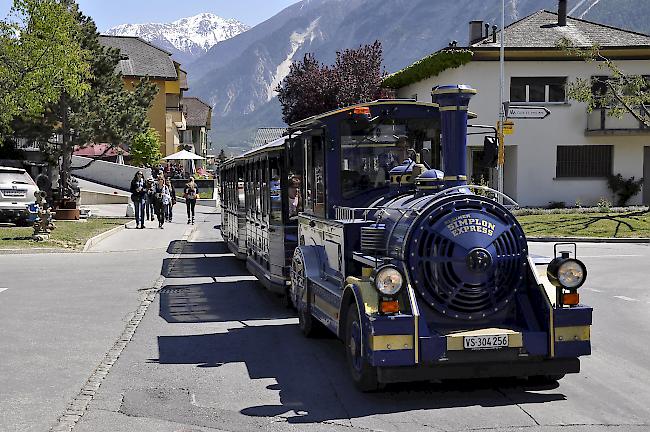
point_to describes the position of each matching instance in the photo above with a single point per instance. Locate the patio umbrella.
(185, 155)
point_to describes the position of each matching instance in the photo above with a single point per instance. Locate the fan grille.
(439, 268)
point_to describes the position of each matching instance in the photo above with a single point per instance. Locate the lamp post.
(502, 108)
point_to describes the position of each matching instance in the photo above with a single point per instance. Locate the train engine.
(436, 278)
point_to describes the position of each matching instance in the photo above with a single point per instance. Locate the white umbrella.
(184, 155)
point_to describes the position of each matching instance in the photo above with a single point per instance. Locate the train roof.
(273, 145)
(314, 119)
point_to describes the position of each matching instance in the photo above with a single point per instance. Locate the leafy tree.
(624, 189)
(40, 58)
(106, 113)
(313, 88)
(620, 92)
(145, 149)
(309, 89)
(358, 74)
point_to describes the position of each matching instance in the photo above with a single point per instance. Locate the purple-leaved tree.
(313, 88)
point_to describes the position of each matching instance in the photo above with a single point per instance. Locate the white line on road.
(609, 256)
(3, 289)
(592, 290)
(626, 298)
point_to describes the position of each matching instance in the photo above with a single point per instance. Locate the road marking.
(592, 289)
(626, 298)
(609, 256)
(3, 289)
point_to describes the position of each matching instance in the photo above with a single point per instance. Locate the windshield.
(368, 155)
(14, 177)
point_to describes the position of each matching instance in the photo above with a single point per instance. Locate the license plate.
(485, 342)
(13, 192)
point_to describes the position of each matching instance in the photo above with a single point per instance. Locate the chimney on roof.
(561, 13)
(475, 31)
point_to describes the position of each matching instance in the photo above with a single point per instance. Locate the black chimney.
(561, 13)
(494, 34)
(475, 31)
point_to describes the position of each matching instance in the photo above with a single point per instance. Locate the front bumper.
(14, 211)
(519, 368)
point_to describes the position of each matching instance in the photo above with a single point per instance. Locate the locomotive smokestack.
(454, 101)
(561, 13)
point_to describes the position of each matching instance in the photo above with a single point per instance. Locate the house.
(198, 116)
(142, 59)
(568, 156)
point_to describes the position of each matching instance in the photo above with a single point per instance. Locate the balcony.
(600, 123)
(177, 118)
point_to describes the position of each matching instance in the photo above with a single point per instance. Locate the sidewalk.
(61, 312)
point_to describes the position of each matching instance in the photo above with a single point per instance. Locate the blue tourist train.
(363, 219)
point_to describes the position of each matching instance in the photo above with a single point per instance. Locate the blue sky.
(108, 13)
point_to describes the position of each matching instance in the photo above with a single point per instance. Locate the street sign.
(527, 112)
(508, 127)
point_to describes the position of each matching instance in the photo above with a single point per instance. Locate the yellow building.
(142, 59)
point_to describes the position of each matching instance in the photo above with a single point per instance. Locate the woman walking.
(162, 198)
(138, 196)
(190, 194)
(149, 199)
(169, 209)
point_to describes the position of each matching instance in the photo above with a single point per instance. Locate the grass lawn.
(67, 235)
(631, 224)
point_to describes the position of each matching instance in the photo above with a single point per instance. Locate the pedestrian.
(149, 204)
(138, 196)
(172, 202)
(161, 200)
(190, 194)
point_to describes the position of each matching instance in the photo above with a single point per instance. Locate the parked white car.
(16, 194)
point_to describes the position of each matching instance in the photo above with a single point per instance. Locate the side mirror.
(490, 152)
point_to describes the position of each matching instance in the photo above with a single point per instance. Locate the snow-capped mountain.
(187, 38)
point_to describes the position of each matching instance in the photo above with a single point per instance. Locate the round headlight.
(389, 281)
(567, 273)
(571, 274)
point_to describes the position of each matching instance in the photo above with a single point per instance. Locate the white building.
(567, 156)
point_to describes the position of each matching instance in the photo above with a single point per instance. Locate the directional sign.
(527, 112)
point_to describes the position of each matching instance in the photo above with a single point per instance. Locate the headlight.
(567, 273)
(389, 281)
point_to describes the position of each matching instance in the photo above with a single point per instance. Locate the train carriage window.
(275, 191)
(293, 179)
(315, 169)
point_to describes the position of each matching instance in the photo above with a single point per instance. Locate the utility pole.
(502, 109)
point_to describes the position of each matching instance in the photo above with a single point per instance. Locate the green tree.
(619, 92)
(145, 149)
(106, 113)
(40, 58)
(222, 156)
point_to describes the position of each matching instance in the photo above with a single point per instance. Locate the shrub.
(604, 206)
(623, 188)
(556, 205)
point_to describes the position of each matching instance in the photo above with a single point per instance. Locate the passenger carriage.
(421, 275)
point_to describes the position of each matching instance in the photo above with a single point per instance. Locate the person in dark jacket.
(149, 199)
(161, 198)
(169, 213)
(191, 193)
(138, 196)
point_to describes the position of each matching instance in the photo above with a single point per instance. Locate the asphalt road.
(217, 352)
(60, 313)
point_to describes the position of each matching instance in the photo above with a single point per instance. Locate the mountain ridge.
(186, 38)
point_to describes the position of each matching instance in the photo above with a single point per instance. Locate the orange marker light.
(362, 111)
(389, 306)
(571, 299)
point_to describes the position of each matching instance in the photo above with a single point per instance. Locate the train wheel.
(363, 375)
(299, 296)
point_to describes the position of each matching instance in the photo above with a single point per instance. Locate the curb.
(99, 237)
(590, 239)
(78, 406)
